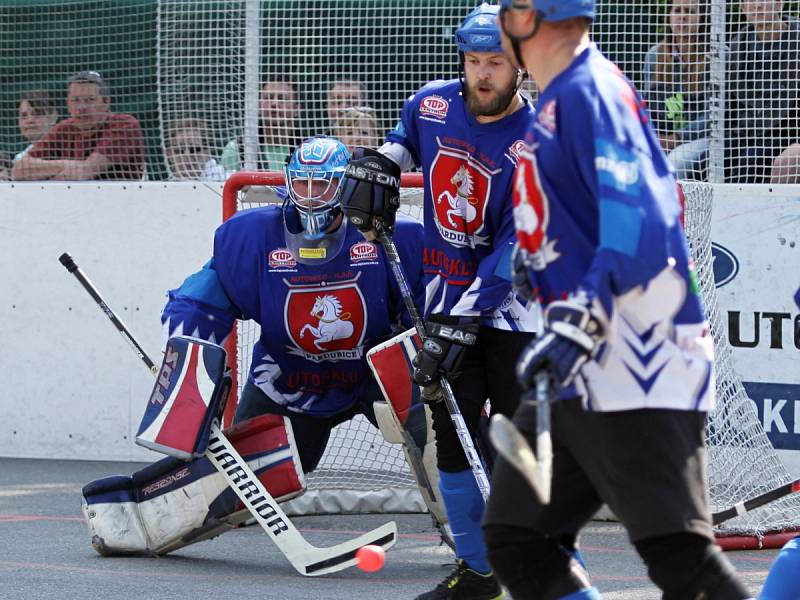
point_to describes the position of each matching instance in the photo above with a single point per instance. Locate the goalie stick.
(306, 559)
(460, 426)
(537, 469)
(746, 506)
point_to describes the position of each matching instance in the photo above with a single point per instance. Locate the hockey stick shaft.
(447, 392)
(741, 508)
(544, 442)
(305, 558)
(536, 469)
(70, 265)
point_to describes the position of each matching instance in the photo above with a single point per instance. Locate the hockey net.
(742, 461)
(359, 472)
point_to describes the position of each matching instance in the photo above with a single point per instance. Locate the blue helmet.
(313, 179)
(314, 175)
(479, 31)
(554, 10)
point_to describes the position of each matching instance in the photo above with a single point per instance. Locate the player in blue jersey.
(465, 135)
(321, 294)
(625, 340)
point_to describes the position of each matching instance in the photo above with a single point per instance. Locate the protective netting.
(238, 82)
(742, 461)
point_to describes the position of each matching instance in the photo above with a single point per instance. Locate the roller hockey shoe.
(465, 584)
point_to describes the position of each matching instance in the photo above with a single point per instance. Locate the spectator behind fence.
(5, 166)
(675, 86)
(188, 148)
(786, 168)
(357, 126)
(762, 91)
(37, 113)
(93, 143)
(277, 135)
(342, 94)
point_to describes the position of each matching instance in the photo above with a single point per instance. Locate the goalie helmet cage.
(360, 472)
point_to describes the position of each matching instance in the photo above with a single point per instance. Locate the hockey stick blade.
(741, 508)
(306, 559)
(513, 447)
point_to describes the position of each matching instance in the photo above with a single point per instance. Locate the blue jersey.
(469, 229)
(597, 210)
(317, 322)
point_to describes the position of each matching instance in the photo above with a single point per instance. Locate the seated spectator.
(762, 91)
(93, 143)
(278, 113)
(188, 147)
(786, 167)
(357, 126)
(675, 80)
(37, 114)
(343, 93)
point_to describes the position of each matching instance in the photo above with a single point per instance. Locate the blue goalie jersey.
(469, 229)
(317, 322)
(597, 212)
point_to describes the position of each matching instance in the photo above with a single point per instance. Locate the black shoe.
(465, 584)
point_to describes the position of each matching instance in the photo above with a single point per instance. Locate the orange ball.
(370, 558)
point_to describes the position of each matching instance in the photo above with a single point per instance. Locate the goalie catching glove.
(571, 336)
(371, 192)
(446, 338)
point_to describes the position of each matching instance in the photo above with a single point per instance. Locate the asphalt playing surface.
(45, 552)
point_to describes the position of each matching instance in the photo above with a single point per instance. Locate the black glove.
(521, 279)
(570, 338)
(371, 191)
(445, 340)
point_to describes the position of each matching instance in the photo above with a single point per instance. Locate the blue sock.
(591, 593)
(783, 581)
(464, 505)
(579, 557)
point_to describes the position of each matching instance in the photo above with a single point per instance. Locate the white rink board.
(77, 391)
(73, 388)
(760, 227)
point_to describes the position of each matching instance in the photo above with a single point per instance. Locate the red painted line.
(28, 518)
(642, 578)
(180, 575)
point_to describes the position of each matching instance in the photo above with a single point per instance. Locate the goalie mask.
(314, 175)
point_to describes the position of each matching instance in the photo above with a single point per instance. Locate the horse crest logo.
(326, 322)
(460, 189)
(532, 213)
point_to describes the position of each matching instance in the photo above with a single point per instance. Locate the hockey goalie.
(323, 298)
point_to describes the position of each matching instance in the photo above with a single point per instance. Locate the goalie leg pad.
(172, 503)
(403, 418)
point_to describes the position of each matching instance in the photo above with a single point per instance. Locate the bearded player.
(464, 134)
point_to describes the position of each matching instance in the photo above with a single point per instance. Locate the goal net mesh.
(742, 461)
